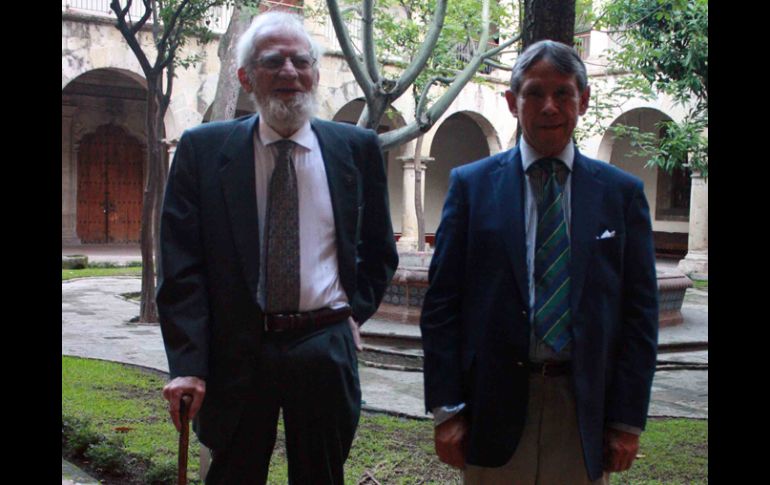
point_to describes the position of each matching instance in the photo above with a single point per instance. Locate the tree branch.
(363, 118)
(424, 95)
(493, 52)
(155, 20)
(401, 135)
(130, 36)
(142, 21)
(171, 26)
(166, 96)
(369, 56)
(426, 49)
(497, 65)
(426, 120)
(135, 26)
(362, 78)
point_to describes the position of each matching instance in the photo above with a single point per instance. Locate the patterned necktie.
(282, 259)
(552, 253)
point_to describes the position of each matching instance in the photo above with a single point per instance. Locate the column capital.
(696, 174)
(408, 162)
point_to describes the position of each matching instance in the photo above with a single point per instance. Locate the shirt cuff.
(444, 413)
(625, 427)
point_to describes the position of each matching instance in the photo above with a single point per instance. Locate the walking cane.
(184, 437)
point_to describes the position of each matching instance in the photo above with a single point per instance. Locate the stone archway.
(243, 106)
(668, 193)
(95, 99)
(349, 113)
(460, 139)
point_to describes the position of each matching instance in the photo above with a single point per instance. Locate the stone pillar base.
(695, 264)
(406, 244)
(70, 241)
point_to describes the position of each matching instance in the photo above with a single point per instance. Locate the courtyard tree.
(171, 24)
(663, 47)
(417, 38)
(228, 87)
(436, 42)
(412, 45)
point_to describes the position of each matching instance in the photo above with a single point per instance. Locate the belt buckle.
(545, 367)
(276, 328)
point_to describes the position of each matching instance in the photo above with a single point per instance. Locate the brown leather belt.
(284, 322)
(550, 368)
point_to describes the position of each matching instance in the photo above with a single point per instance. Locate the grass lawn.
(123, 404)
(700, 284)
(67, 274)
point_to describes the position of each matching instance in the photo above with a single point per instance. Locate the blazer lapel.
(586, 197)
(239, 187)
(508, 182)
(344, 188)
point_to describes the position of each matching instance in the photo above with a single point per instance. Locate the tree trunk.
(154, 182)
(228, 87)
(548, 20)
(371, 117)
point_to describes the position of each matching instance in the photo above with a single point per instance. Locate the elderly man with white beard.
(276, 245)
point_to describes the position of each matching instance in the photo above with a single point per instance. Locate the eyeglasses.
(274, 62)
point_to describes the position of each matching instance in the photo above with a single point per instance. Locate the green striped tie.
(552, 253)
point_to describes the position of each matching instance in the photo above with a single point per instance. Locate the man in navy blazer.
(508, 407)
(240, 361)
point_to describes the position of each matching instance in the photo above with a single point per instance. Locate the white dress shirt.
(319, 272)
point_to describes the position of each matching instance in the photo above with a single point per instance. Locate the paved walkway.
(96, 324)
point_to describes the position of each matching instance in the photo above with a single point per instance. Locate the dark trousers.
(313, 378)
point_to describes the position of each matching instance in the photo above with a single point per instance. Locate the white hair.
(246, 49)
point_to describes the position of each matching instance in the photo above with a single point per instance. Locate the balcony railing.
(465, 53)
(583, 44)
(218, 17)
(355, 28)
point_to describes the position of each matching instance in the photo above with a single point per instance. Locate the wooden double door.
(110, 183)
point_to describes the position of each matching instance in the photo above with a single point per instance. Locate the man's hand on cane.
(173, 391)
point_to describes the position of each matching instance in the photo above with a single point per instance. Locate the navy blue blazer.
(475, 319)
(209, 257)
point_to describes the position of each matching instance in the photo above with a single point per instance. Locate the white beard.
(287, 116)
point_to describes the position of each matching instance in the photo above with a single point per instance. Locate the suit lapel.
(344, 188)
(239, 187)
(586, 198)
(508, 182)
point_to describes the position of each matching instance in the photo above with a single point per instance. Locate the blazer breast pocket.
(608, 252)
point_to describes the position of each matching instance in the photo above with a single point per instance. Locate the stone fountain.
(403, 299)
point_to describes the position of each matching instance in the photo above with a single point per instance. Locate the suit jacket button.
(524, 313)
(520, 364)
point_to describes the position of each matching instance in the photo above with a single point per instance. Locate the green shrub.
(106, 456)
(77, 436)
(162, 472)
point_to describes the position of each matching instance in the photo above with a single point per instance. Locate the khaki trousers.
(550, 451)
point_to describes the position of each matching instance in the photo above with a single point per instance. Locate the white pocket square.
(606, 234)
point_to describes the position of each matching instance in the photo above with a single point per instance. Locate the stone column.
(69, 179)
(697, 257)
(171, 148)
(408, 239)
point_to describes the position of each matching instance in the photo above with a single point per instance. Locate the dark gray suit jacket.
(209, 261)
